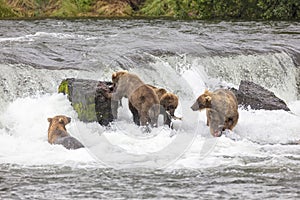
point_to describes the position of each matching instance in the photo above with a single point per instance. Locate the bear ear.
(208, 98)
(114, 75)
(162, 90)
(49, 119)
(206, 91)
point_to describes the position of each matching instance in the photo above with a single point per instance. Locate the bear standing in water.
(221, 110)
(57, 133)
(168, 102)
(143, 101)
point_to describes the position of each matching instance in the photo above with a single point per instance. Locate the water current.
(186, 57)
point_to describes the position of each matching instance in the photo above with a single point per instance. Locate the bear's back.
(223, 99)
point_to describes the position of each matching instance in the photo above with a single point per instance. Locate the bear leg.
(135, 113)
(144, 118)
(207, 116)
(231, 122)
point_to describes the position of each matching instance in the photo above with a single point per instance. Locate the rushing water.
(254, 161)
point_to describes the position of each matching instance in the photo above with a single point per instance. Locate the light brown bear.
(221, 110)
(57, 133)
(143, 101)
(168, 102)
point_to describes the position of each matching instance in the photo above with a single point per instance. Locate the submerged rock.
(297, 142)
(257, 97)
(89, 99)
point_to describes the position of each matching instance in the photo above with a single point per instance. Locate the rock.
(297, 142)
(257, 97)
(89, 99)
(106, 109)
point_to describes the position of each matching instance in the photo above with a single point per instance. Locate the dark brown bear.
(143, 101)
(169, 103)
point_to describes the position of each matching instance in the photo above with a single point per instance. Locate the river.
(256, 160)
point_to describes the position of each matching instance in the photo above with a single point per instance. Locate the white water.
(23, 130)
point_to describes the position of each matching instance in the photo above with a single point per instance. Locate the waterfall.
(274, 71)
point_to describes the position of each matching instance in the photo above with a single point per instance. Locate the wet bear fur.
(142, 99)
(168, 102)
(57, 133)
(221, 110)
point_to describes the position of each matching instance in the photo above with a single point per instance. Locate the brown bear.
(221, 110)
(142, 99)
(57, 133)
(168, 102)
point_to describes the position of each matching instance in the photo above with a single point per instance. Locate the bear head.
(203, 101)
(169, 102)
(160, 92)
(60, 121)
(116, 76)
(216, 122)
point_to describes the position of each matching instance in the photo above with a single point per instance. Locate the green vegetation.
(5, 11)
(178, 9)
(283, 9)
(64, 87)
(224, 9)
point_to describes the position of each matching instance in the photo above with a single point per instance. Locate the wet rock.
(297, 142)
(257, 97)
(106, 109)
(90, 99)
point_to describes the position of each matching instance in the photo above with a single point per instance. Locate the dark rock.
(257, 97)
(106, 109)
(90, 99)
(297, 142)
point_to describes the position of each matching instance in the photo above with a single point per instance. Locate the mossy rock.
(63, 87)
(85, 112)
(89, 99)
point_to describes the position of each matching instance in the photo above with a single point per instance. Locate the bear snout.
(217, 133)
(195, 106)
(171, 109)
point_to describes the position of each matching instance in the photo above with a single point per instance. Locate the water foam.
(23, 136)
(23, 124)
(38, 35)
(24, 133)
(274, 71)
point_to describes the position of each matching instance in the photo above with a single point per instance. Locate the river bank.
(176, 9)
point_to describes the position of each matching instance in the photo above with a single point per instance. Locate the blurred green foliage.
(5, 11)
(178, 9)
(223, 9)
